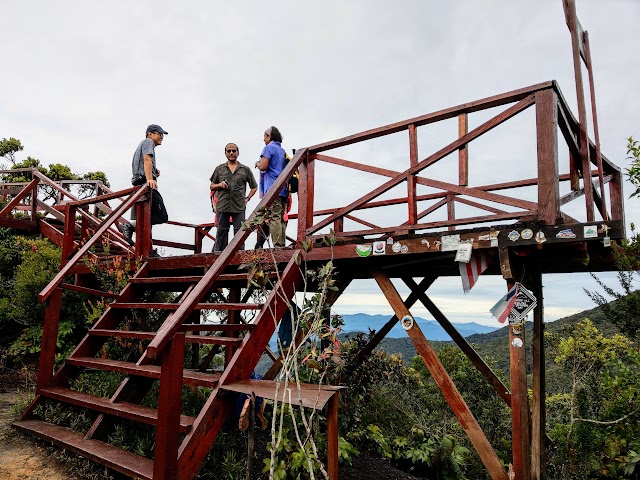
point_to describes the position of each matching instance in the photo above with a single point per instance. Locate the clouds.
(81, 80)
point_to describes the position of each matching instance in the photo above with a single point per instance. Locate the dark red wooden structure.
(525, 225)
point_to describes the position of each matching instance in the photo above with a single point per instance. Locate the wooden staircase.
(181, 442)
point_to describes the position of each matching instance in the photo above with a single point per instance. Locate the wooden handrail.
(110, 220)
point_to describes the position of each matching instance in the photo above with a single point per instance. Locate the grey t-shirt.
(146, 147)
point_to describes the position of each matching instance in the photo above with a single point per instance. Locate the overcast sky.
(81, 80)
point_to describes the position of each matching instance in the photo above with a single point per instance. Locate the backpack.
(292, 184)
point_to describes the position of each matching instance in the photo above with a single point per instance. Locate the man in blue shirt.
(271, 163)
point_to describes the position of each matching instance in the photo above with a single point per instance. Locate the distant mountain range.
(361, 322)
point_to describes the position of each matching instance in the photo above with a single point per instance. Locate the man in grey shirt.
(144, 170)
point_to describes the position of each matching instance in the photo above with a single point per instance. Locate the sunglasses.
(232, 150)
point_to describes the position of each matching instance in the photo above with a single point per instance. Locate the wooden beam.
(444, 382)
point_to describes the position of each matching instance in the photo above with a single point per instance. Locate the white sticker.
(517, 342)
(396, 247)
(464, 253)
(450, 243)
(379, 247)
(590, 231)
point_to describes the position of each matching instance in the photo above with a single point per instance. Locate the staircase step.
(199, 306)
(119, 460)
(208, 339)
(150, 371)
(126, 410)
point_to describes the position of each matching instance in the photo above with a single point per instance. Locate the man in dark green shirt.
(229, 182)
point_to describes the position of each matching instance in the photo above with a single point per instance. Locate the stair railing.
(171, 326)
(143, 233)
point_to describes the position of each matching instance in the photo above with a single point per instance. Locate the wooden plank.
(119, 460)
(148, 371)
(19, 224)
(178, 245)
(451, 212)
(308, 394)
(562, 233)
(616, 196)
(483, 104)
(126, 410)
(444, 382)
(88, 291)
(547, 146)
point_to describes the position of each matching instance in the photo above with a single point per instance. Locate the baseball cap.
(156, 128)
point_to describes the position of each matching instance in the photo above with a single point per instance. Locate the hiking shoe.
(127, 232)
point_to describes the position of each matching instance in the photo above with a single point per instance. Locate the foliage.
(594, 425)
(9, 147)
(633, 172)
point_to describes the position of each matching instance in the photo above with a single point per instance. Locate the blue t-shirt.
(276, 156)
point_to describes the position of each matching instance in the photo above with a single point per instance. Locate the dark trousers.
(263, 233)
(158, 210)
(223, 224)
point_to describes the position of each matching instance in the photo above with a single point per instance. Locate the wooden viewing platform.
(560, 219)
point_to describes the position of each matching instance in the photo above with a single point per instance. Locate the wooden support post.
(305, 196)
(49, 339)
(518, 375)
(444, 382)
(573, 24)
(451, 211)
(143, 227)
(34, 203)
(616, 197)
(463, 152)
(538, 410)
(68, 242)
(332, 436)
(574, 172)
(547, 134)
(197, 241)
(411, 179)
(165, 462)
(251, 434)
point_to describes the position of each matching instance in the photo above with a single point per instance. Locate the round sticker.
(404, 249)
(517, 342)
(396, 247)
(527, 234)
(407, 322)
